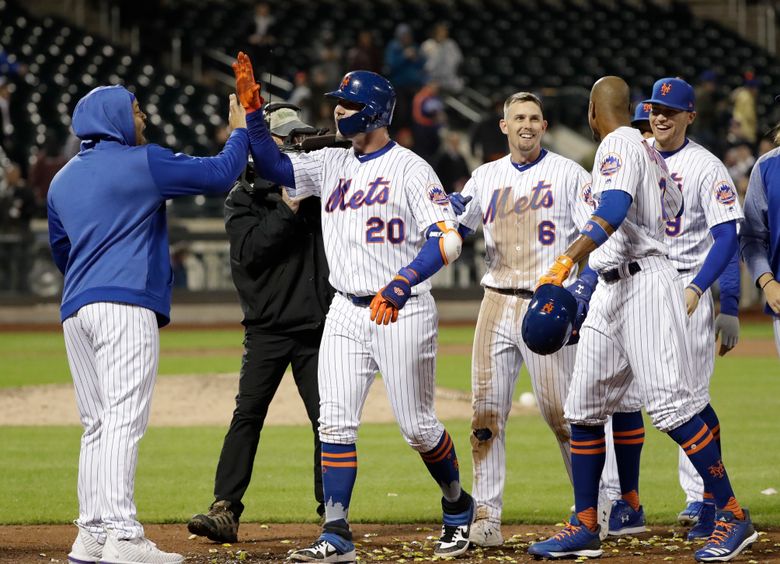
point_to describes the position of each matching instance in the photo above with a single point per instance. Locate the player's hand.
(247, 88)
(236, 114)
(558, 272)
(459, 202)
(691, 300)
(772, 295)
(292, 203)
(727, 326)
(389, 300)
(582, 292)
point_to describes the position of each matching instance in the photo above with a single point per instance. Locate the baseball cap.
(642, 112)
(673, 93)
(285, 120)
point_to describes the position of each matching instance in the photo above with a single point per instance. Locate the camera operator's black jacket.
(277, 258)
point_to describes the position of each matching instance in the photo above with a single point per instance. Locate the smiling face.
(524, 125)
(669, 126)
(139, 120)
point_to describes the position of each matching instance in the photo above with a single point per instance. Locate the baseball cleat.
(603, 511)
(136, 551)
(573, 540)
(218, 525)
(86, 549)
(690, 515)
(486, 533)
(706, 523)
(455, 531)
(730, 537)
(330, 547)
(625, 520)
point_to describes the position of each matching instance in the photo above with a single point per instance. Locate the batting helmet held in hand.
(375, 93)
(547, 323)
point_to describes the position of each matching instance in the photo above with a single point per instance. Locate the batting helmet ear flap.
(548, 321)
(375, 93)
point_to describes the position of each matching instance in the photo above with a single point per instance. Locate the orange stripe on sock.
(704, 429)
(716, 430)
(445, 445)
(439, 458)
(639, 441)
(640, 431)
(734, 506)
(632, 498)
(588, 443)
(708, 495)
(588, 518)
(696, 447)
(588, 451)
(352, 454)
(339, 464)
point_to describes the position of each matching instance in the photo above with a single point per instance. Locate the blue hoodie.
(107, 223)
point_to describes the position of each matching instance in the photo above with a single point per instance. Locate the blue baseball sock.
(709, 416)
(628, 431)
(339, 470)
(698, 443)
(442, 463)
(588, 452)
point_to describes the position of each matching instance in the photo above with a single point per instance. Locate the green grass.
(176, 467)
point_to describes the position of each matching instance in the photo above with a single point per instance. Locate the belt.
(360, 301)
(520, 293)
(615, 274)
(684, 270)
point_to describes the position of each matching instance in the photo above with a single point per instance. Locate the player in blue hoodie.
(108, 234)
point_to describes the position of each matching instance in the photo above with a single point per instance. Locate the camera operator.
(278, 264)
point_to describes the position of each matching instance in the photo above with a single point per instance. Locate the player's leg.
(495, 364)
(658, 354)
(88, 546)
(406, 354)
(346, 370)
(265, 359)
(776, 328)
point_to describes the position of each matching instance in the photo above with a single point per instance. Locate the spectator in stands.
(450, 165)
(739, 161)
(6, 125)
(427, 119)
(17, 207)
(404, 63)
(744, 112)
(328, 56)
(10, 66)
(442, 59)
(317, 102)
(47, 163)
(301, 95)
(767, 142)
(365, 55)
(262, 38)
(707, 125)
(487, 141)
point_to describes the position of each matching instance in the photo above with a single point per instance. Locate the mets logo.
(344, 82)
(437, 195)
(547, 308)
(725, 193)
(647, 108)
(666, 87)
(717, 470)
(587, 196)
(610, 164)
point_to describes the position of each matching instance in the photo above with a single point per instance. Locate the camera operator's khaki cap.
(285, 120)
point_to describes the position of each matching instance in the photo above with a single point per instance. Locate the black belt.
(360, 301)
(520, 293)
(615, 274)
(684, 270)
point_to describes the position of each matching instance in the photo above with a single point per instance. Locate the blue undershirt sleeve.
(270, 163)
(729, 287)
(613, 207)
(721, 252)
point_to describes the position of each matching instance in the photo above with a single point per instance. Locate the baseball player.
(387, 226)
(527, 203)
(635, 328)
(702, 245)
(108, 235)
(641, 120)
(759, 243)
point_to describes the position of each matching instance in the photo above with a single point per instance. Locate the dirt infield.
(375, 543)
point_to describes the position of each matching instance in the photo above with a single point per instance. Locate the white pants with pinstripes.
(113, 351)
(776, 327)
(499, 353)
(354, 349)
(635, 329)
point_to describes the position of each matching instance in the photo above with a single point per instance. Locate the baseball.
(527, 399)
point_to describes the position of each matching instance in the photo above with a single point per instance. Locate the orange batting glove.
(558, 272)
(247, 88)
(382, 311)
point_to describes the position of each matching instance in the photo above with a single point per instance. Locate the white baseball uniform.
(710, 199)
(529, 215)
(636, 325)
(375, 210)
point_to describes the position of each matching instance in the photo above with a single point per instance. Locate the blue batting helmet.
(548, 322)
(375, 93)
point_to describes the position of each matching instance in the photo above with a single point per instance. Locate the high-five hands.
(247, 88)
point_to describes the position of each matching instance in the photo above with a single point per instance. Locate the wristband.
(695, 288)
(772, 279)
(595, 232)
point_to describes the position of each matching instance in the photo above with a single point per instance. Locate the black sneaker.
(218, 525)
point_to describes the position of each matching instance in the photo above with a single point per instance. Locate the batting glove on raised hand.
(247, 88)
(582, 292)
(390, 299)
(727, 326)
(558, 272)
(459, 202)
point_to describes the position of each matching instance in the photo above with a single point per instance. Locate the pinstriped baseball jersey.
(375, 209)
(529, 215)
(710, 199)
(625, 161)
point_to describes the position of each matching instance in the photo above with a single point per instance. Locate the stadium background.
(175, 56)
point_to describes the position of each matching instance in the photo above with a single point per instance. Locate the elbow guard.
(450, 241)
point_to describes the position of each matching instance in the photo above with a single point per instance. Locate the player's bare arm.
(577, 251)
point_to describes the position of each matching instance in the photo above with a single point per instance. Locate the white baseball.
(527, 399)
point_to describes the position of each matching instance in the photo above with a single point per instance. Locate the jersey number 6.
(375, 232)
(546, 230)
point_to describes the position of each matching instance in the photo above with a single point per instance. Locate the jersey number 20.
(375, 230)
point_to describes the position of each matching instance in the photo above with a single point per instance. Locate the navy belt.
(360, 301)
(520, 293)
(615, 274)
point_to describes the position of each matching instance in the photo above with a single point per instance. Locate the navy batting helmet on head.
(548, 322)
(375, 93)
